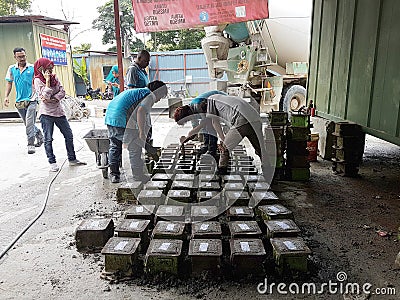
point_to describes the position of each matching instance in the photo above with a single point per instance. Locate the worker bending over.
(126, 123)
(242, 116)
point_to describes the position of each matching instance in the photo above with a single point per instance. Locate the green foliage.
(80, 69)
(106, 22)
(160, 41)
(9, 7)
(82, 48)
(176, 39)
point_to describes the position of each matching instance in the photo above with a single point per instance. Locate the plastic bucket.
(312, 147)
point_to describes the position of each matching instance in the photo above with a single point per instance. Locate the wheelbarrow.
(98, 142)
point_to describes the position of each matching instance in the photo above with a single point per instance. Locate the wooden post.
(119, 47)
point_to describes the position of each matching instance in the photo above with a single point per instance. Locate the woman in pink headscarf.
(50, 92)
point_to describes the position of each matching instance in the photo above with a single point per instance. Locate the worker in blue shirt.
(137, 77)
(21, 74)
(112, 80)
(126, 122)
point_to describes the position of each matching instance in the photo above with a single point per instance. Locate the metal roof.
(35, 19)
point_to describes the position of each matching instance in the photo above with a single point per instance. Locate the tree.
(176, 39)
(80, 70)
(106, 23)
(135, 46)
(9, 7)
(82, 48)
(160, 41)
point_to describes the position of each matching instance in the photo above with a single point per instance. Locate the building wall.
(64, 73)
(354, 64)
(96, 63)
(181, 69)
(26, 35)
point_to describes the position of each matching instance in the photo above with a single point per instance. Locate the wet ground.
(350, 224)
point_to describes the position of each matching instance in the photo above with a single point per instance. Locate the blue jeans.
(118, 136)
(210, 143)
(28, 115)
(48, 129)
(210, 136)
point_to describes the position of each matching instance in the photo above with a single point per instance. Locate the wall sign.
(54, 49)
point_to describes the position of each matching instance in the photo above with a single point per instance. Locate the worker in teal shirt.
(21, 74)
(112, 80)
(137, 77)
(125, 120)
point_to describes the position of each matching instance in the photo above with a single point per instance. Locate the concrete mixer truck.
(246, 53)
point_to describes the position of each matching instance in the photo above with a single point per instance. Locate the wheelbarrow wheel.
(104, 164)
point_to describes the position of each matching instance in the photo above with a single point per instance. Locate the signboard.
(54, 49)
(158, 15)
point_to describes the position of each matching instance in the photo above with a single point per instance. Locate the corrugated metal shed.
(24, 31)
(98, 66)
(181, 69)
(354, 64)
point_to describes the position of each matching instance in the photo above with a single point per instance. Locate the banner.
(54, 49)
(159, 15)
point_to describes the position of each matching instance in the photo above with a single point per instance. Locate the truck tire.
(293, 99)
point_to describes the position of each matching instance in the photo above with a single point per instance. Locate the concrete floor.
(44, 263)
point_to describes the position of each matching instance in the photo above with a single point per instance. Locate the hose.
(21, 233)
(4, 252)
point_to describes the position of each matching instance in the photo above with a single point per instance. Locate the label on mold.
(245, 246)
(204, 226)
(134, 225)
(244, 226)
(203, 247)
(204, 211)
(170, 227)
(239, 210)
(274, 209)
(121, 245)
(282, 225)
(290, 245)
(95, 224)
(164, 246)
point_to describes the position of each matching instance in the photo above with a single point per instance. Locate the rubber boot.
(223, 162)
(115, 174)
(138, 175)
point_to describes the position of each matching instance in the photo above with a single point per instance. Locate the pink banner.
(159, 15)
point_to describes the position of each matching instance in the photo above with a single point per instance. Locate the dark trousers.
(210, 143)
(118, 136)
(48, 123)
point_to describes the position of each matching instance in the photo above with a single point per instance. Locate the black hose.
(19, 235)
(4, 252)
